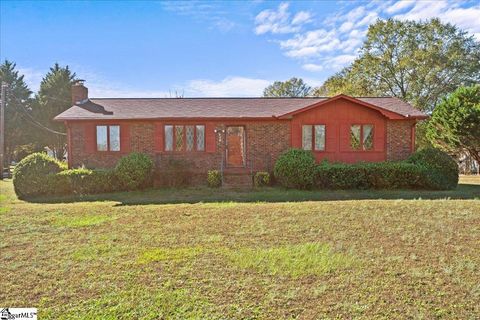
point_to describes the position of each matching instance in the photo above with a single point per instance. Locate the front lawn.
(223, 254)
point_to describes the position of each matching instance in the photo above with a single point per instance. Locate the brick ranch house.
(238, 136)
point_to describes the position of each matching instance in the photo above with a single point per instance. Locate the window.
(108, 138)
(168, 138)
(185, 138)
(313, 136)
(361, 137)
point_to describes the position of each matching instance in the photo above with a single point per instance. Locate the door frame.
(243, 140)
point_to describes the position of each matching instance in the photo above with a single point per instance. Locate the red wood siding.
(338, 116)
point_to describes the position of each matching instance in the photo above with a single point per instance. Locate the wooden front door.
(235, 150)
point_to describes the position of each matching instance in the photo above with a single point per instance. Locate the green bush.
(85, 181)
(441, 169)
(134, 171)
(29, 175)
(381, 175)
(295, 169)
(175, 173)
(214, 178)
(261, 179)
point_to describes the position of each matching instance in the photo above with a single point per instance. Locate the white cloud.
(340, 61)
(310, 43)
(346, 26)
(465, 18)
(399, 6)
(228, 87)
(279, 21)
(312, 67)
(336, 40)
(302, 17)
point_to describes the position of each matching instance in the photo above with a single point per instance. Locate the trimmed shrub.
(175, 173)
(295, 169)
(85, 181)
(381, 175)
(442, 170)
(261, 179)
(134, 171)
(29, 175)
(214, 178)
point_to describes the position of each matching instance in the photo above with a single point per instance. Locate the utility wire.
(32, 120)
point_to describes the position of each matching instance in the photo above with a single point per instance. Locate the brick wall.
(264, 142)
(399, 139)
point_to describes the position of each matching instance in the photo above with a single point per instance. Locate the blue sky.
(152, 49)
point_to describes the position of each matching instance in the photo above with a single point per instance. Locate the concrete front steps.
(237, 178)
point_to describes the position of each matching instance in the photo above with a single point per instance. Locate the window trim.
(361, 146)
(312, 125)
(184, 138)
(108, 137)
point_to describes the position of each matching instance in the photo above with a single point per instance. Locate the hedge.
(83, 181)
(295, 169)
(383, 175)
(29, 174)
(425, 169)
(39, 174)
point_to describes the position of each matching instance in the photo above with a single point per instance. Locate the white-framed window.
(108, 137)
(186, 138)
(313, 137)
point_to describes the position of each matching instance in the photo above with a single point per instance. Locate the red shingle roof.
(144, 108)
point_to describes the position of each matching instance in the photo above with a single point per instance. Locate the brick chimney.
(79, 92)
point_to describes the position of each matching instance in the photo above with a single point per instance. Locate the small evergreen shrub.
(261, 179)
(295, 169)
(214, 178)
(134, 171)
(442, 170)
(30, 174)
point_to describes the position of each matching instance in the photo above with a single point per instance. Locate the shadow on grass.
(206, 195)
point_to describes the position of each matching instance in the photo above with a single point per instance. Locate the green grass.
(82, 221)
(292, 260)
(232, 254)
(162, 254)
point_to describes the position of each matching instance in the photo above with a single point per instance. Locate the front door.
(235, 150)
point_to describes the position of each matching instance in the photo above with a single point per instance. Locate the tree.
(455, 123)
(17, 109)
(418, 62)
(53, 98)
(294, 87)
(345, 82)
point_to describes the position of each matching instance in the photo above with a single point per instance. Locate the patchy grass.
(267, 254)
(292, 260)
(82, 221)
(162, 254)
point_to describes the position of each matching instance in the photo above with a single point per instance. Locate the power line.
(32, 120)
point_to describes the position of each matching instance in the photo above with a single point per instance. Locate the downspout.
(69, 145)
